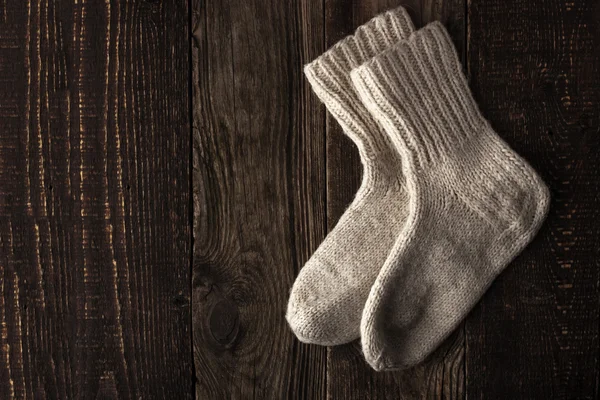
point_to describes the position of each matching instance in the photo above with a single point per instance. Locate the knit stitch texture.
(327, 299)
(474, 203)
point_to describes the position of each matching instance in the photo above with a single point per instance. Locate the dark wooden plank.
(535, 69)
(259, 188)
(349, 377)
(94, 200)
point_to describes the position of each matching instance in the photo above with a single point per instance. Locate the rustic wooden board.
(259, 195)
(535, 70)
(95, 235)
(349, 376)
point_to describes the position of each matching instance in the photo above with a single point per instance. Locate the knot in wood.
(224, 322)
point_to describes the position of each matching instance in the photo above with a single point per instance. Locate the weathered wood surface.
(95, 231)
(259, 193)
(535, 71)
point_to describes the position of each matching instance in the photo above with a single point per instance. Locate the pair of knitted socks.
(443, 207)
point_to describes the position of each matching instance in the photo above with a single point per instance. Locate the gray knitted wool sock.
(327, 299)
(474, 203)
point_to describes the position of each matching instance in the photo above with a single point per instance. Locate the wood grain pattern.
(94, 200)
(349, 376)
(273, 173)
(259, 192)
(95, 230)
(536, 74)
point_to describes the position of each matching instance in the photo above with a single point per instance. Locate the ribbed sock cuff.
(370, 39)
(329, 74)
(417, 89)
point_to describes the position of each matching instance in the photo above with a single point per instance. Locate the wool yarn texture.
(474, 204)
(444, 205)
(329, 294)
